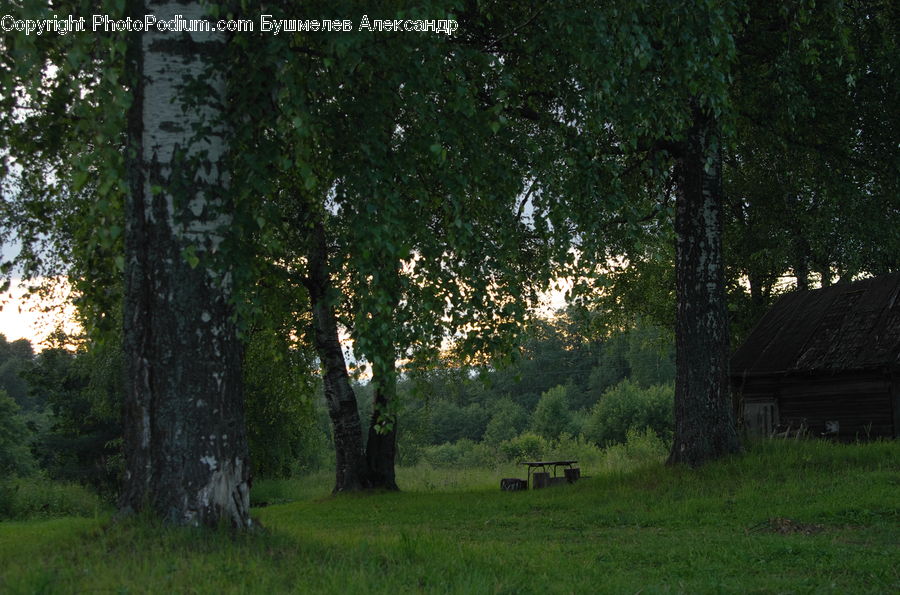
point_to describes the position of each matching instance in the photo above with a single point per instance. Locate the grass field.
(788, 517)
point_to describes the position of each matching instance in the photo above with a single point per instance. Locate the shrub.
(281, 417)
(451, 423)
(629, 407)
(524, 447)
(38, 497)
(409, 453)
(449, 454)
(508, 420)
(641, 447)
(15, 458)
(589, 455)
(551, 417)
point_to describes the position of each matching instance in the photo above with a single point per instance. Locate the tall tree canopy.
(411, 187)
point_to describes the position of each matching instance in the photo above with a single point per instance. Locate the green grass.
(38, 497)
(789, 517)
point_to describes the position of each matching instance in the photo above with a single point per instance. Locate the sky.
(33, 319)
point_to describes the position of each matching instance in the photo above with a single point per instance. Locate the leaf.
(190, 256)
(79, 179)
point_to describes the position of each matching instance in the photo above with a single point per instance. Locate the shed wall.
(863, 406)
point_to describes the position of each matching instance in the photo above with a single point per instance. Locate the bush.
(15, 458)
(508, 420)
(281, 419)
(589, 456)
(451, 423)
(629, 407)
(526, 446)
(552, 418)
(462, 453)
(448, 454)
(38, 497)
(641, 447)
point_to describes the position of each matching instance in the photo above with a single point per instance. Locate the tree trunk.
(381, 448)
(704, 424)
(184, 433)
(351, 472)
(800, 250)
(757, 294)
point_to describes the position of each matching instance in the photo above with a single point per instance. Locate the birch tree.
(185, 440)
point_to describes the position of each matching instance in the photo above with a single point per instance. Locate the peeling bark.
(185, 438)
(704, 423)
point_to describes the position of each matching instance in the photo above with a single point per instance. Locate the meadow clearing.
(785, 517)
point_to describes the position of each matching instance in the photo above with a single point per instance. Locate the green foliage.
(611, 367)
(551, 417)
(641, 447)
(462, 453)
(83, 393)
(650, 356)
(524, 447)
(451, 422)
(279, 385)
(803, 151)
(14, 358)
(38, 497)
(62, 159)
(483, 159)
(626, 407)
(15, 458)
(553, 351)
(507, 421)
(446, 405)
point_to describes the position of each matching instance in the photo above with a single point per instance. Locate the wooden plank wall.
(865, 405)
(861, 404)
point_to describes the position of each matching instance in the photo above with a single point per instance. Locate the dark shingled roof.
(838, 328)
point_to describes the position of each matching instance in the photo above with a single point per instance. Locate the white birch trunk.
(185, 440)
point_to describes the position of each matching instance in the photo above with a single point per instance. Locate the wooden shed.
(826, 361)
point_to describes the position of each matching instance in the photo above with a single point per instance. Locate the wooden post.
(540, 479)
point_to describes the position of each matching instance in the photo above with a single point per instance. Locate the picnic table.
(542, 469)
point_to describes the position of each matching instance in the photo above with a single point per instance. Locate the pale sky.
(33, 319)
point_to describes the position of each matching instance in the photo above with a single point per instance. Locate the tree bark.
(350, 473)
(381, 448)
(800, 250)
(184, 433)
(704, 423)
(757, 297)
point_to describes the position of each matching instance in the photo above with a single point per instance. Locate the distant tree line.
(63, 405)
